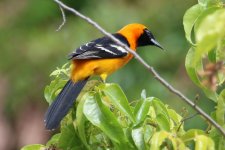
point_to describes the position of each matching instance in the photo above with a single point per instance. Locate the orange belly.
(82, 69)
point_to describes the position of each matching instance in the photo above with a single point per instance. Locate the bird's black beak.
(155, 43)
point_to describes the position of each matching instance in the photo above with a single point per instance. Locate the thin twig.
(64, 18)
(187, 118)
(148, 67)
(184, 119)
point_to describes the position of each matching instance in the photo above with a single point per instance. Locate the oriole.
(98, 57)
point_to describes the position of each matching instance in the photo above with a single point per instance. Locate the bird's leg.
(103, 77)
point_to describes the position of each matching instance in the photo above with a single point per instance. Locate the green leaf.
(220, 51)
(99, 115)
(212, 56)
(191, 134)
(138, 137)
(80, 121)
(118, 98)
(158, 139)
(160, 108)
(34, 147)
(52, 90)
(63, 71)
(142, 111)
(162, 116)
(174, 116)
(67, 120)
(69, 138)
(203, 142)
(190, 17)
(203, 15)
(90, 85)
(210, 31)
(191, 68)
(54, 139)
(148, 132)
(207, 3)
(219, 140)
(163, 122)
(60, 78)
(220, 108)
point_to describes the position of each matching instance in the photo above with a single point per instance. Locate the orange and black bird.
(98, 57)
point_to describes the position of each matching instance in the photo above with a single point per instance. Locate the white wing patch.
(100, 48)
(88, 53)
(119, 48)
(106, 50)
(89, 43)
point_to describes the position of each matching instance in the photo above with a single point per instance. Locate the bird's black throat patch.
(145, 38)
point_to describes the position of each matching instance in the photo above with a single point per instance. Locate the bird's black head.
(147, 38)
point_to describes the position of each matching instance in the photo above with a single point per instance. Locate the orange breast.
(82, 69)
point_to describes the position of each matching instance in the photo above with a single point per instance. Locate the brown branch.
(148, 67)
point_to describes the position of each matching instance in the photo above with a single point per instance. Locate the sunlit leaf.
(89, 86)
(190, 17)
(138, 137)
(207, 3)
(158, 139)
(177, 143)
(63, 71)
(34, 147)
(52, 90)
(174, 116)
(160, 108)
(191, 134)
(118, 98)
(203, 142)
(210, 31)
(54, 139)
(191, 68)
(99, 115)
(143, 110)
(148, 131)
(60, 78)
(163, 122)
(203, 15)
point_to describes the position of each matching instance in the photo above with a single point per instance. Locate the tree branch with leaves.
(102, 117)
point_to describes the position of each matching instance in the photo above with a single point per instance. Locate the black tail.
(64, 101)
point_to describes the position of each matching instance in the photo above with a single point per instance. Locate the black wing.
(101, 48)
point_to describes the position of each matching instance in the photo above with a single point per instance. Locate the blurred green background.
(31, 49)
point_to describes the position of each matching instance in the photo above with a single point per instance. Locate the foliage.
(204, 28)
(103, 118)
(204, 25)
